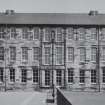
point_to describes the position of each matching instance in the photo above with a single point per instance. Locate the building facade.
(42, 50)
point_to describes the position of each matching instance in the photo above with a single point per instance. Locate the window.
(25, 33)
(70, 54)
(82, 54)
(59, 77)
(13, 33)
(59, 55)
(93, 76)
(81, 33)
(36, 53)
(103, 75)
(103, 33)
(93, 34)
(103, 53)
(24, 53)
(12, 75)
(24, 75)
(47, 77)
(36, 33)
(12, 53)
(1, 74)
(47, 55)
(47, 34)
(70, 75)
(2, 33)
(70, 33)
(82, 76)
(93, 53)
(1, 53)
(35, 75)
(59, 35)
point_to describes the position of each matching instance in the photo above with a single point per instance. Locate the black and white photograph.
(52, 52)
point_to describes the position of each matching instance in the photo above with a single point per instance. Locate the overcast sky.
(52, 6)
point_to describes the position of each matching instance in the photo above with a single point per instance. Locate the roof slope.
(52, 18)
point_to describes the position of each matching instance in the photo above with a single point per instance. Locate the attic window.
(9, 12)
(93, 13)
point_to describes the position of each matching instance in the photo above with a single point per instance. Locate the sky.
(52, 6)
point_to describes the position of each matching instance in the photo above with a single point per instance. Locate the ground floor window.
(93, 76)
(24, 75)
(59, 77)
(35, 75)
(12, 75)
(103, 75)
(47, 77)
(1, 74)
(70, 75)
(82, 76)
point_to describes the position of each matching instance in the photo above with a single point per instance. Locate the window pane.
(103, 53)
(81, 33)
(82, 76)
(93, 76)
(59, 77)
(47, 55)
(59, 55)
(25, 33)
(93, 33)
(1, 53)
(70, 75)
(82, 54)
(1, 74)
(13, 32)
(36, 33)
(47, 34)
(24, 75)
(103, 75)
(47, 77)
(2, 33)
(70, 33)
(59, 35)
(24, 53)
(70, 54)
(35, 75)
(12, 75)
(36, 53)
(12, 53)
(93, 53)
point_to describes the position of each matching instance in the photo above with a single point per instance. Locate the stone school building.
(39, 50)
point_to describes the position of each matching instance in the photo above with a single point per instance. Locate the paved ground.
(22, 98)
(85, 98)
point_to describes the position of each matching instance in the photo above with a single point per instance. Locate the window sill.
(11, 83)
(93, 84)
(23, 83)
(70, 83)
(35, 83)
(1, 82)
(81, 83)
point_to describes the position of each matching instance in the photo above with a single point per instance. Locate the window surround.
(12, 75)
(70, 75)
(25, 55)
(93, 76)
(47, 78)
(23, 76)
(82, 76)
(59, 77)
(36, 31)
(70, 54)
(35, 76)
(12, 48)
(70, 33)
